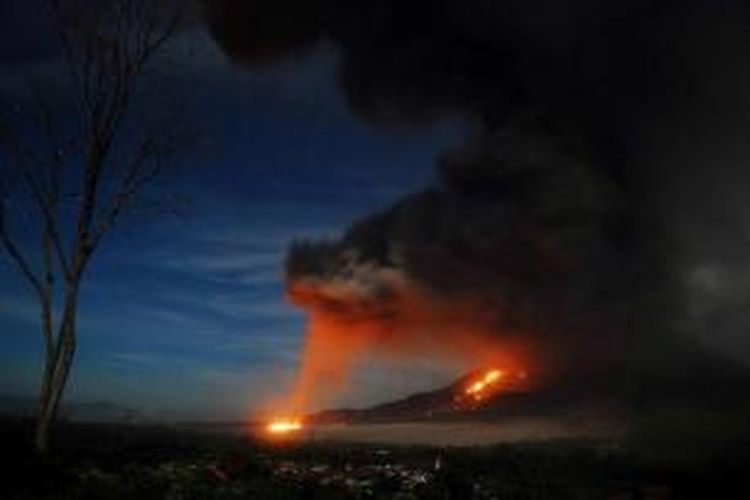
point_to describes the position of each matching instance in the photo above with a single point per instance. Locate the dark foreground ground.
(139, 462)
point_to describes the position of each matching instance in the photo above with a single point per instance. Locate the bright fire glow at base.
(283, 426)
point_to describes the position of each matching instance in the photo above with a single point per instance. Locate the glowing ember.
(284, 426)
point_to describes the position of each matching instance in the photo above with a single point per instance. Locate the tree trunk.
(44, 423)
(55, 379)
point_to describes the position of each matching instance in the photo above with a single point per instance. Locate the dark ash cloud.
(595, 131)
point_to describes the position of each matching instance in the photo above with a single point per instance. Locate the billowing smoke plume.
(555, 238)
(522, 255)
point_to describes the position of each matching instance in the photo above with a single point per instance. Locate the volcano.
(480, 394)
(689, 381)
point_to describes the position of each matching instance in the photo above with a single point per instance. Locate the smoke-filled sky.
(569, 172)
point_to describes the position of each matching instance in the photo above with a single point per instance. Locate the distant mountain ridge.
(81, 411)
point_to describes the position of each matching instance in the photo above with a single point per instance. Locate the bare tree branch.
(46, 200)
(15, 254)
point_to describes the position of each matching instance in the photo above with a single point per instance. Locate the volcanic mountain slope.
(690, 378)
(472, 394)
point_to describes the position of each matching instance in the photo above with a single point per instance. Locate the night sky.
(187, 314)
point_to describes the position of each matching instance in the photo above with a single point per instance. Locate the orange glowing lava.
(284, 426)
(487, 383)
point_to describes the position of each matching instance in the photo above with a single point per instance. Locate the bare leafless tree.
(71, 167)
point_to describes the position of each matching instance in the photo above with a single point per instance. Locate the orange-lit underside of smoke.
(406, 324)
